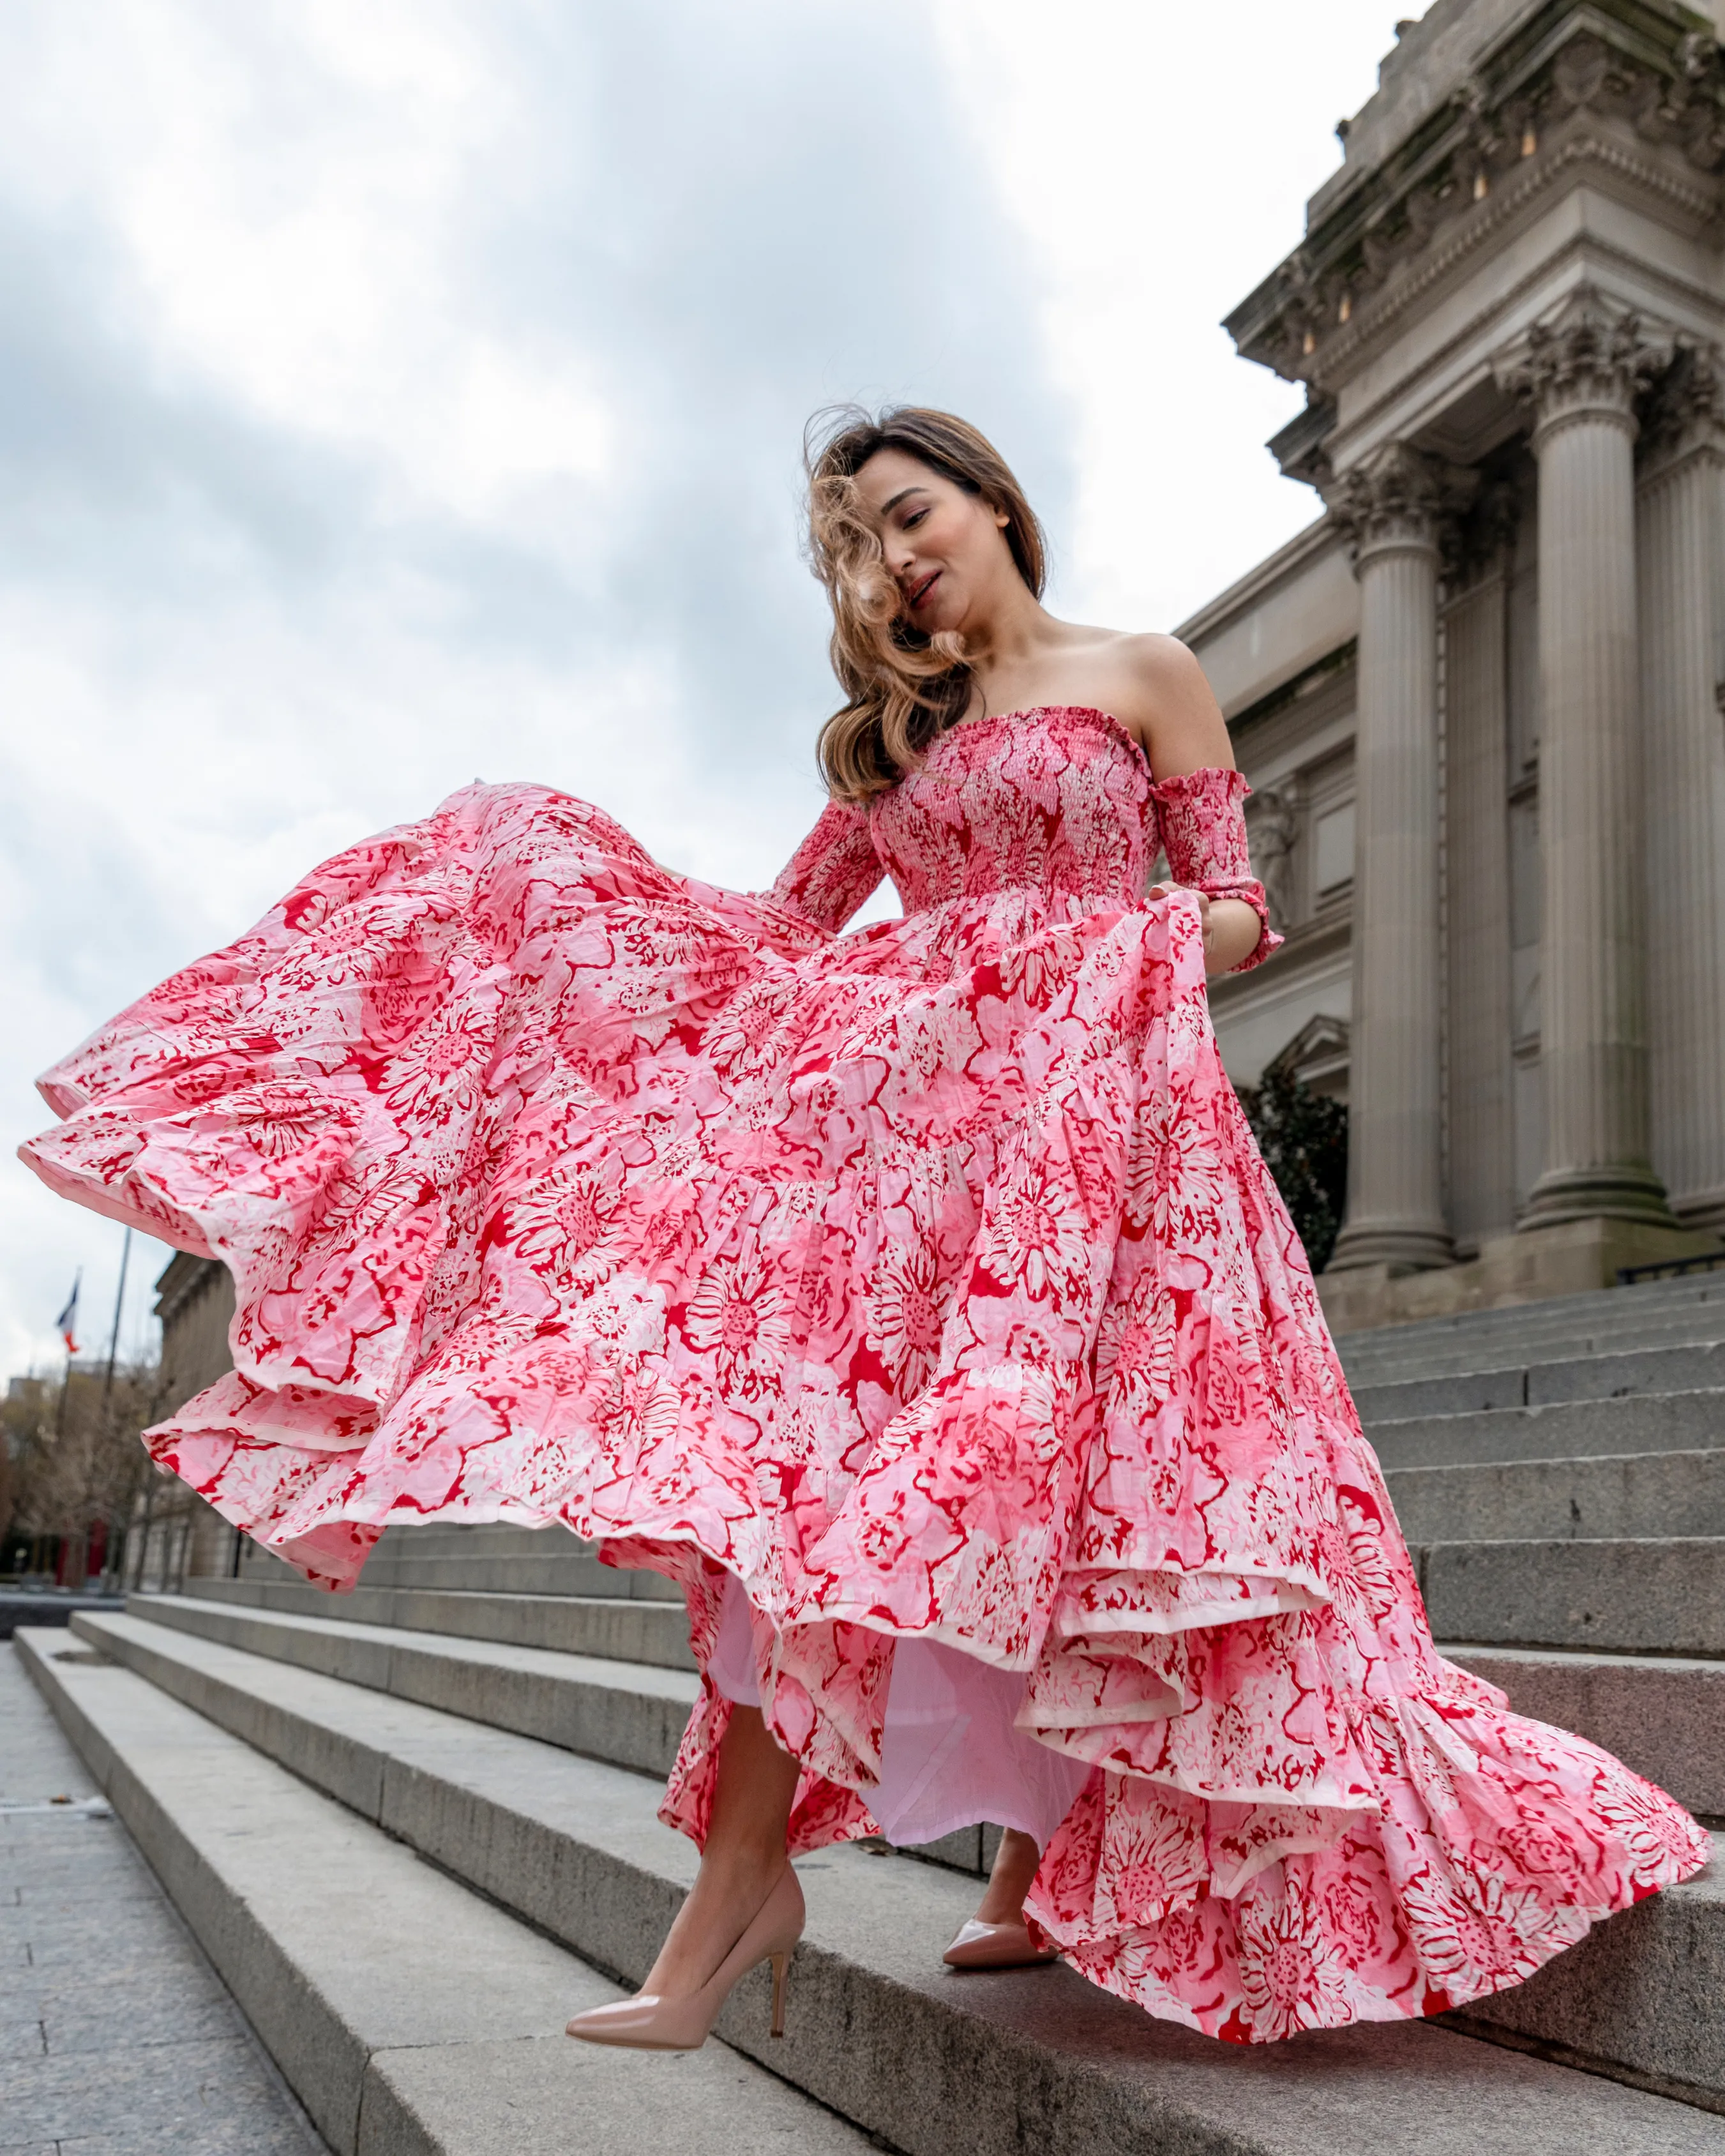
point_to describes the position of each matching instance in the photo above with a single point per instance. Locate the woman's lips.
(919, 593)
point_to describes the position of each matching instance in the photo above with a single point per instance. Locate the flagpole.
(59, 1420)
(114, 1337)
(67, 1322)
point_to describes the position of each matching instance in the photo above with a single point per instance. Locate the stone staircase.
(412, 1825)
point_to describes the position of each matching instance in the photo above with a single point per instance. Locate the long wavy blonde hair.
(902, 686)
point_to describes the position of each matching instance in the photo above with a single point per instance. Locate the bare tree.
(75, 1465)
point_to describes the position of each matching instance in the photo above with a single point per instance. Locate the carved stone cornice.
(1632, 86)
(1398, 499)
(1590, 360)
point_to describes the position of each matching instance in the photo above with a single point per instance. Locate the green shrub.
(1303, 1138)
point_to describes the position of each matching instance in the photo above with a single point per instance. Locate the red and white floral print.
(925, 1278)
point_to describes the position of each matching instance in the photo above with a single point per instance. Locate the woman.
(915, 1297)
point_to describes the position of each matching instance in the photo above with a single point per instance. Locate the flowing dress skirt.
(922, 1285)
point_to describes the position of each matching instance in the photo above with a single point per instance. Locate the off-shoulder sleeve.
(1202, 819)
(834, 870)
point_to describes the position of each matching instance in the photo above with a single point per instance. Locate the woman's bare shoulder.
(1172, 709)
(1159, 659)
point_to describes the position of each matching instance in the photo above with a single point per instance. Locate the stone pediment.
(1316, 1055)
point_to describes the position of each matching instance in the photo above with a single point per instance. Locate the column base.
(1701, 1210)
(1529, 1266)
(1633, 1194)
(1403, 1250)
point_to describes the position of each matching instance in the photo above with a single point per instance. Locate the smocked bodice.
(1056, 799)
(1056, 803)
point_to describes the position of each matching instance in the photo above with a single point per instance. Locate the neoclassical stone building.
(1481, 697)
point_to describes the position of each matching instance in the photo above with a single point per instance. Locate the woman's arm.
(1232, 931)
(834, 871)
(1184, 730)
(1198, 797)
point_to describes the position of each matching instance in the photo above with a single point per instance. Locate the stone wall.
(194, 1300)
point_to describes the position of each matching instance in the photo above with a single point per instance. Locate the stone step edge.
(562, 1698)
(1570, 1315)
(1635, 1300)
(659, 1639)
(1512, 1356)
(1613, 1406)
(1533, 1372)
(1643, 1595)
(487, 1841)
(1699, 1325)
(585, 1722)
(579, 1722)
(195, 1590)
(430, 2092)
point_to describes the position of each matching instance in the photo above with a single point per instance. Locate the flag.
(67, 1321)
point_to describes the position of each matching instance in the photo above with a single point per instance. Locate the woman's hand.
(1231, 928)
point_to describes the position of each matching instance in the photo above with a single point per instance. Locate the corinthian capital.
(1685, 409)
(1400, 497)
(1589, 359)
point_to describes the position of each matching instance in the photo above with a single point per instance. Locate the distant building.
(194, 1300)
(1479, 698)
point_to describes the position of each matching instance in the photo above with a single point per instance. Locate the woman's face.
(947, 548)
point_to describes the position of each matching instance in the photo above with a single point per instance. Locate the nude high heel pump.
(995, 1946)
(647, 2023)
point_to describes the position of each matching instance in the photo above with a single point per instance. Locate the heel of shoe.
(647, 2022)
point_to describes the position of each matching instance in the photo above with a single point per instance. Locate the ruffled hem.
(1490, 1845)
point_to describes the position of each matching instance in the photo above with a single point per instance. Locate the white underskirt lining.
(951, 1756)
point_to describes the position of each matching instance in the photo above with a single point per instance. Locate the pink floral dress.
(925, 1281)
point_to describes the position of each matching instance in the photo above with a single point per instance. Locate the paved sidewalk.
(116, 2037)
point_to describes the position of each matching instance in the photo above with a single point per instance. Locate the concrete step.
(629, 1713)
(1643, 1495)
(1667, 1422)
(1606, 1317)
(626, 1713)
(609, 1627)
(410, 2016)
(1522, 1590)
(1683, 1370)
(499, 1558)
(1627, 1597)
(1462, 1360)
(1705, 1329)
(941, 2065)
(1662, 1715)
(1612, 1315)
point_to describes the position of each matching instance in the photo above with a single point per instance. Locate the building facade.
(1479, 698)
(175, 1534)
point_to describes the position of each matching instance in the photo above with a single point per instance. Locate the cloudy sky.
(397, 392)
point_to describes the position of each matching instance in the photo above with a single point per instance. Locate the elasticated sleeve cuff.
(1201, 816)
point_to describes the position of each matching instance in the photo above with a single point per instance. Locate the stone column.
(1394, 505)
(1682, 553)
(1581, 372)
(1482, 1117)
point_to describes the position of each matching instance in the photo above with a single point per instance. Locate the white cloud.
(1159, 158)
